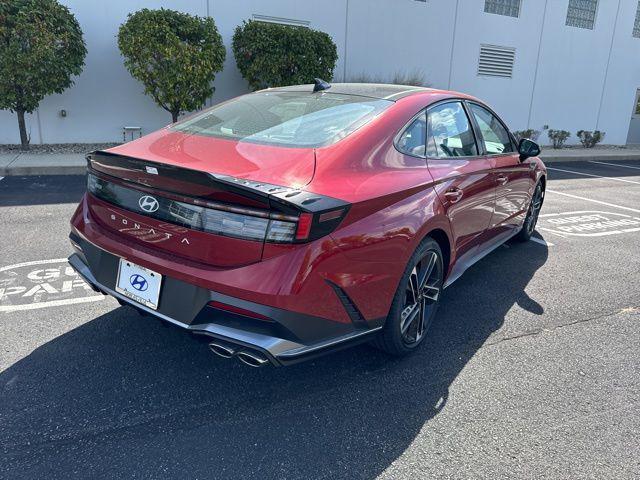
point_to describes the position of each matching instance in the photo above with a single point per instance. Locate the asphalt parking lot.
(531, 370)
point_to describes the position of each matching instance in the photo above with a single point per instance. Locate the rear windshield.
(295, 119)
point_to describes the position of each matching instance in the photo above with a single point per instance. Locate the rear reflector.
(325, 217)
(238, 310)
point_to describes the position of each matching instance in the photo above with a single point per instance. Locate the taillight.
(302, 217)
(304, 226)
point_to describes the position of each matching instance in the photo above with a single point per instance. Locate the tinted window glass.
(412, 141)
(449, 132)
(495, 136)
(297, 119)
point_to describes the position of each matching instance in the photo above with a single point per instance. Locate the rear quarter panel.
(394, 206)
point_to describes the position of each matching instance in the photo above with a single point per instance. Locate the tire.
(405, 330)
(529, 225)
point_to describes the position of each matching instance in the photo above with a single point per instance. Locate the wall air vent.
(496, 61)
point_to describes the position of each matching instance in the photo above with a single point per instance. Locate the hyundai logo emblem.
(139, 282)
(148, 204)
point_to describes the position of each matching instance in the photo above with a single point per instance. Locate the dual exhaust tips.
(248, 357)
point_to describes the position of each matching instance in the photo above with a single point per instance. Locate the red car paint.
(396, 200)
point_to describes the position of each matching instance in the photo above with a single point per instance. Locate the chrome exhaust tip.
(253, 359)
(222, 349)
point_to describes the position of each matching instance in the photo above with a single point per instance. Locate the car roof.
(372, 90)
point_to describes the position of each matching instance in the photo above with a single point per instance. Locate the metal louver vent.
(496, 61)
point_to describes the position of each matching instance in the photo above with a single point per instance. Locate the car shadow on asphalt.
(42, 190)
(122, 395)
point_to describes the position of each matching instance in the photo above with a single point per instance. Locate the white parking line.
(541, 241)
(615, 165)
(592, 175)
(54, 303)
(589, 223)
(593, 201)
(35, 262)
(42, 284)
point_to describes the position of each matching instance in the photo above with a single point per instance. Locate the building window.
(636, 24)
(582, 13)
(510, 8)
(496, 61)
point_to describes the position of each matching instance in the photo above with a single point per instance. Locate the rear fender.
(377, 247)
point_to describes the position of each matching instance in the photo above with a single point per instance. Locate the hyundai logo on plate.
(148, 204)
(139, 282)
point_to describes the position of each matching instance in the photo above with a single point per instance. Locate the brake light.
(304, 226)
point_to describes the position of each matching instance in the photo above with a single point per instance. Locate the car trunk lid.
(213, 202)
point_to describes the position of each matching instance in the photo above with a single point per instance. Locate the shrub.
(530, 133)
(558, 137)
(414, 78)
(175, 55)
(41, 47)
(590, 139)
(271, 55)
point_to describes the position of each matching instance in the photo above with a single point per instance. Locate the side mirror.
(528, 148)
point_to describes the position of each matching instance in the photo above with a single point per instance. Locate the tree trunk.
(174, 116)
(24, 139)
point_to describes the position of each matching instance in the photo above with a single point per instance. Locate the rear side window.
(295, 119)
(449, 132)
(495, 137)
(412, 140)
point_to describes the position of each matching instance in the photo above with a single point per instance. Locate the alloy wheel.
(534, 209)
(421, 298)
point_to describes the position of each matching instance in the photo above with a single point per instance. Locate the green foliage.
(558, 137)
(273, 55)
(174, 55)
(530, 133)
(590, 139)
(41, 47)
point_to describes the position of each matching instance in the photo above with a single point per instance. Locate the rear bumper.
(289, 338)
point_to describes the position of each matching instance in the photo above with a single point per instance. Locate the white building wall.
(623, 78)
(509, 97)
(379, 38)
(384, 40)
(571, 72)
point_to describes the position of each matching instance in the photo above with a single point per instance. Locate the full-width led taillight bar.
(213, 217)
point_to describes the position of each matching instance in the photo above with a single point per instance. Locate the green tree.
(174, 55)
(41, 47)
(273, 55)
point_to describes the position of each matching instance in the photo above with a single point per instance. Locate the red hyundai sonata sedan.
(294, 221)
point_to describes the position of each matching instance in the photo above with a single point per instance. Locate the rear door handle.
(453, 195)
(502, 179)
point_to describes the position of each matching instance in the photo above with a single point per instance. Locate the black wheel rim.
(534, 209)
(422, 295)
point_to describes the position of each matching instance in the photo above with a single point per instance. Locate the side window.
(412, 139)
(495, 136)
(449, 132)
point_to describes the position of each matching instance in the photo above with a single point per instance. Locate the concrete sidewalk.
(549, 155)
(75, 163)
(42, 164)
